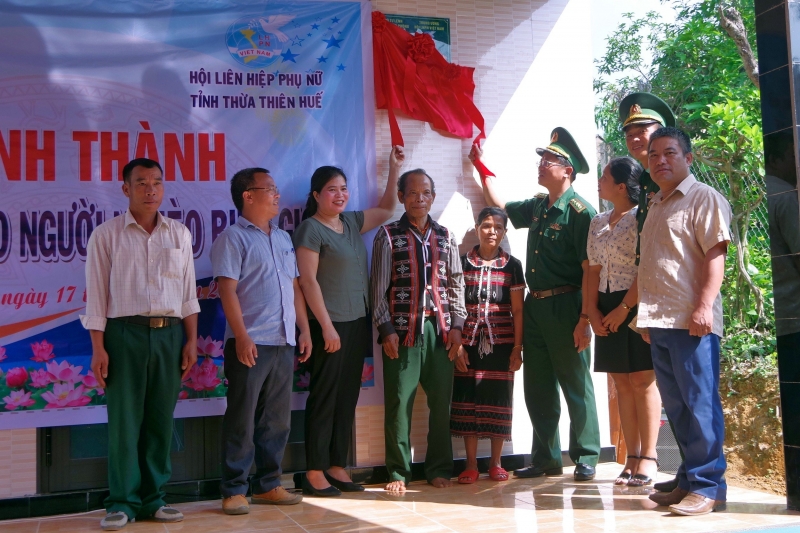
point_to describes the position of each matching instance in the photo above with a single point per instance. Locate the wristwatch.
(586, 318)
(626, 307)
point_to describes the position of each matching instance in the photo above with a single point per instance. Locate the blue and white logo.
(257, 42)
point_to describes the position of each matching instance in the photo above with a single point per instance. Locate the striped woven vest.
(405, 294)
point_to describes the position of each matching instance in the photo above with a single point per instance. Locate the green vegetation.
(696, 66)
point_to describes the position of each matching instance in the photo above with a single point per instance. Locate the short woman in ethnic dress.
(612, 297)
(332, 260)
(491, 345)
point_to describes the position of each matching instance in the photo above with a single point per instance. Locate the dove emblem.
(273, 23)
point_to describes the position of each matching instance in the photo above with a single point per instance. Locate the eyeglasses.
(270, 190)
(547, 164)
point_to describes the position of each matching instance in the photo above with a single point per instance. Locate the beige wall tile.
(18, 462)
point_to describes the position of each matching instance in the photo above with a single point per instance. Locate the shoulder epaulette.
(541, 195)
(577, 205)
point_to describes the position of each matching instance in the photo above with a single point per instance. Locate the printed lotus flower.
(16, 377)
(304, 380)
(17, 399)
(42, 351)
(368, 373)
(203, 376)
(3, 355)
(64, 395)
(64, 371)
(90, 382)
(208, 346)
(40, 378)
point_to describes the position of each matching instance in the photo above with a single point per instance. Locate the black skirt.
(483, 395)
(622, 352)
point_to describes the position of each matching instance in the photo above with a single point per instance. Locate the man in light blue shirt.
(254, 264)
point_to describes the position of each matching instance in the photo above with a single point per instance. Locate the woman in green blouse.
(332, 260)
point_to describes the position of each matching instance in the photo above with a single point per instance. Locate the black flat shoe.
(666, 486)
(584, 472)
(537, 471)
(310, 490)
(344, 486)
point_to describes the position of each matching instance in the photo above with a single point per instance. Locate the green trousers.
(144, 379)
(428, 366)
(551, 360)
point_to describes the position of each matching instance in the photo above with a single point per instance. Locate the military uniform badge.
(577, 205)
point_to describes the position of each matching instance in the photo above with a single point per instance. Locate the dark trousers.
(257, 419)
(687, 370)
(144, 379)
(429, 366)
(334, 390)
(552, 363)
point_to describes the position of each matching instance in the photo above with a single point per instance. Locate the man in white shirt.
(140, 289)
(683, 246)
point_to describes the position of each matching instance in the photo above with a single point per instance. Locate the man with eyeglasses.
(557, 331)
(254, 264)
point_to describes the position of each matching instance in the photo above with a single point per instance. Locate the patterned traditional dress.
(482, 396)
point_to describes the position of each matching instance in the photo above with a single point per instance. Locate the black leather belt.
(153, 322)
(554, 292)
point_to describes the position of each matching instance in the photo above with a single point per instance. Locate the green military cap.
(645, 108)
(562, 144)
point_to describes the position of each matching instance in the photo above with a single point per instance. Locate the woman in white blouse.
(612, 298)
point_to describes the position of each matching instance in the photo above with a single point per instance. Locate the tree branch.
(742, 270)
(731, 21)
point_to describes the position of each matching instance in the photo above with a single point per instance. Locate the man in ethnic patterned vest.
(417, 293)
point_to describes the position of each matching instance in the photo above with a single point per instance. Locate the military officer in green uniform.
(641, 114)
(557, 331)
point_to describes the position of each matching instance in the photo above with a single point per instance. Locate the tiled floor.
(544, 504)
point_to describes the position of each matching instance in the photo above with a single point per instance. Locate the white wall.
(534, 72)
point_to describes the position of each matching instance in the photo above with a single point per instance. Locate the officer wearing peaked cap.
(557, 331)
(641, 114)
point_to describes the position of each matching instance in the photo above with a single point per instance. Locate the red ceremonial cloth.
(413, 77)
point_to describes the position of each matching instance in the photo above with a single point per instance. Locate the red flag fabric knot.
(379, 22)
(412, 77)
(421, 47)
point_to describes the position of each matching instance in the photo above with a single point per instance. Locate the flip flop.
(468, 477)
(498, 473)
